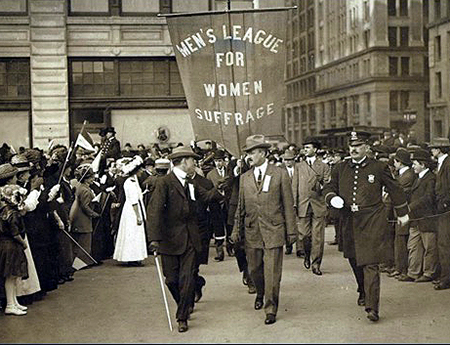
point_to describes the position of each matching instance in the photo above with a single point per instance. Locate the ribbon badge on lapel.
(371, 178)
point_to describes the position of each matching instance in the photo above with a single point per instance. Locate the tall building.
(370, 67)
(109, 62)
(439, 60)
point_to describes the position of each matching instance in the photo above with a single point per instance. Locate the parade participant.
(13, 263)
(222, 231)
(131, 245)
(173, 229)
(405, 178)
(311, 174)
(265, 217)
(162, 166)
(440, 152)
(422, 243)
(82, 212)
(356, 188)
(338, 156)
(289, 162)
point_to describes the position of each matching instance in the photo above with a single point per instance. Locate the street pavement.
(112, 303)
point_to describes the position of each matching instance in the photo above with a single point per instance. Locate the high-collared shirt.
(221, 172)
(263, 168)
(423, 172)
(440, 160)
(362, 160)
(402, 171)
(290, 171)
(310, 160)
(181, 175)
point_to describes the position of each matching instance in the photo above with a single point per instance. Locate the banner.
(232, 69)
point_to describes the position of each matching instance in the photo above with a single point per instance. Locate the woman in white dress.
(131, 246)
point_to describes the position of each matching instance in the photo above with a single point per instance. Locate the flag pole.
(79, 246)
(101, 213)
(158, 268)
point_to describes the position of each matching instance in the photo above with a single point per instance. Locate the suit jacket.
(172, 216)
(266, 218)
(423, 202)
(82, 212)
(443, 186)
(307, 187)
(406, 181)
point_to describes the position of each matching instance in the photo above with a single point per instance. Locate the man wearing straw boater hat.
(440, 152)
(265, 218)
(173, 228)
(356, 189)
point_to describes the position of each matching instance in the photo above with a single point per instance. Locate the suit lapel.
(175, 183)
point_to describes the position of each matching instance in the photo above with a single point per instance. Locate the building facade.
(370, 68)
(439, 61)
(109, 62)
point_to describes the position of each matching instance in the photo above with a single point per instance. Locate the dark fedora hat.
(313, 141)
(219, 154)
(421, 155)
(110, 130)
(182, 151)
(102, 132)
(403, 156)
(256, 141)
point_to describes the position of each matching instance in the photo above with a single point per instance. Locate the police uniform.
(365, 227)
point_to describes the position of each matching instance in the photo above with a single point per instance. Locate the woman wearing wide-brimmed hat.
(13, 262)
(131, 245)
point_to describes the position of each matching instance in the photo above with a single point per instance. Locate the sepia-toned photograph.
(224, 171)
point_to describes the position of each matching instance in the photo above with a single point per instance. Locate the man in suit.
(440, 152)
(174, 229)
(405, 178)
(222, 231)
(310, 177)
(356, 189)
(265, 217)
(111, 146)
(288, 163)
(422, 243)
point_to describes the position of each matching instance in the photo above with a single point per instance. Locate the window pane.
(392, 36)
(404, 36)
(403, 7)
(393, 100)
(393, 63)
(13, 6)
(140, 6)
(405, 65)
(89, 6)
(391, 8)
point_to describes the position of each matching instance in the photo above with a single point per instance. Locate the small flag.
(97, 197)
(78, 264)
(95, 165)
(85, 141)
(50, 145)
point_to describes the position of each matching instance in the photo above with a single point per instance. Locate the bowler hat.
(256, 141)
(358, 137)
(289, 155)
(182, 151)
(403, 156)
(219, 154)
(421, 155)
(313, 141)
(7, 170)
(20, 162)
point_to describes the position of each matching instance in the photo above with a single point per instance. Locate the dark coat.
(111, 148)
(443, 187)
(423, 202)
(173, 217)
(82, 212)
(365, 232)
(405, 181)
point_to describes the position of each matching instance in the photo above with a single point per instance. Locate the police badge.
(371, 178)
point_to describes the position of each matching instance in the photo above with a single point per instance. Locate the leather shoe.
(270, 319)
(423, 279)
(441, 286)
(405, 278)
(316, 271)
(372, 315)
(307, 262)
(394, 274)
(258, 303)
(182, 326)
(362, 299)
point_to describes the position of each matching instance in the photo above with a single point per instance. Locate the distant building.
(439, 60)
(369, 66)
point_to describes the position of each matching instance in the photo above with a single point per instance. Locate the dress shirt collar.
(441, 158)
(262, 167)
(221, 172)
(402, 171)
(311, 160)
(423, 172)
(180, 174)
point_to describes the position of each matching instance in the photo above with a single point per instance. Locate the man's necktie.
(186, 188)
(259, 180)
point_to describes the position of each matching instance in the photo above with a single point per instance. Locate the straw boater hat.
(256, 141)
(162, 163)
(20, 162)
(7, 170)
(182, 151)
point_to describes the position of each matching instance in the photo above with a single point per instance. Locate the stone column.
(49, 78)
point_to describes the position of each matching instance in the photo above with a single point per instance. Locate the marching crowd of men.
(389, 202)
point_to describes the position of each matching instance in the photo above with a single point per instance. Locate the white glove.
(337, 202)
(32, 201)
(403, 220)
(53, 192)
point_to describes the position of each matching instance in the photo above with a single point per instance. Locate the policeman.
(356, 189)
